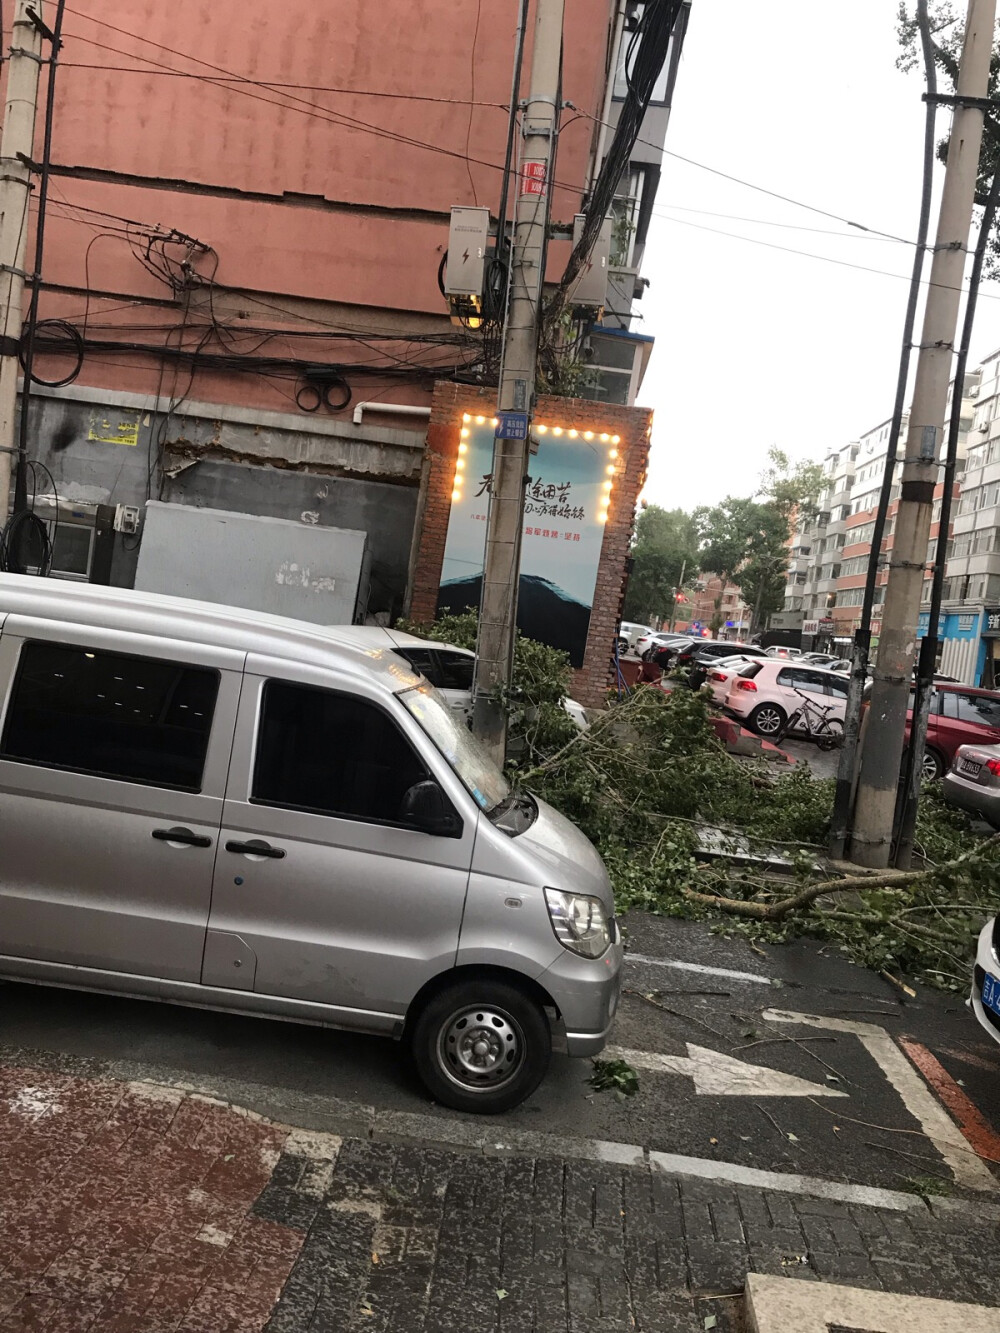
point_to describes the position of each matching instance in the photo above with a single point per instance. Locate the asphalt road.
(873, 1135)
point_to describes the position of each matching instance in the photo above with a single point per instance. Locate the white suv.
(763, 694)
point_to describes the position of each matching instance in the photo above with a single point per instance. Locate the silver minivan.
(219, 808)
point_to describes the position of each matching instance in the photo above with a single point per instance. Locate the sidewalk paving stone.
(127, 1207)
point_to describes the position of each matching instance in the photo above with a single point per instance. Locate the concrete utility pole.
(23, 73)
(880, 766)
(498, 609)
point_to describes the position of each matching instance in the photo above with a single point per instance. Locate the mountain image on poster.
(544, 612)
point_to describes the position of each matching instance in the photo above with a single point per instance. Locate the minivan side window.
(110, 715)
(331, 754)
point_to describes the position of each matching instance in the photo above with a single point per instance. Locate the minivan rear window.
(110, 715)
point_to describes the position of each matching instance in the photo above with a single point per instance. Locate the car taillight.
(746, 685)
(994, 766)
(718, 675)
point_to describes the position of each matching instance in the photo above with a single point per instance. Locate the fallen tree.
(649, 781)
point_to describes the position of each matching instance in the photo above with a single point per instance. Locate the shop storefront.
(961, 647)
(989, 675)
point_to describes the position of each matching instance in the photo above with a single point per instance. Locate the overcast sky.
(755, 347)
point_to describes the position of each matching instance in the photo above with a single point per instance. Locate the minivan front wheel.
(481, 1046)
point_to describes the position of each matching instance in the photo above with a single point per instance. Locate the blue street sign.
(512, 426)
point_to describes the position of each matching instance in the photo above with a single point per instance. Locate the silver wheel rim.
(768, 721)
(480, 1049)
(928, 767)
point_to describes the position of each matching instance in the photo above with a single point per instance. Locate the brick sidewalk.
(143, 1208)
(127, 1207)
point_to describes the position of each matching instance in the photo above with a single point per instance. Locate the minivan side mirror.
(427, 808)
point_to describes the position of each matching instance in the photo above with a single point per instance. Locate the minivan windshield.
(456, 742)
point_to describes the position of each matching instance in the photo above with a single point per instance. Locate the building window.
(628, 49)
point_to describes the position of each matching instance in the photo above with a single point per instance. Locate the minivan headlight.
(579, 922)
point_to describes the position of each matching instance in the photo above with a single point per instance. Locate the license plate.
(970, 768)
(991, 993)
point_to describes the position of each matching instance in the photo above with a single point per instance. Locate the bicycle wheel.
(832, 735)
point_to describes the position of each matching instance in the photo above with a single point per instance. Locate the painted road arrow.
(718, 1075)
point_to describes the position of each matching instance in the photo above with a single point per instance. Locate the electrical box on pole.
(591, 286)
(468, 240)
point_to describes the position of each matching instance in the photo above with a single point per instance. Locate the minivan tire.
(767, 720)
(481, 1046)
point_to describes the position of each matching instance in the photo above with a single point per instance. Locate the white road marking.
(703, 968)
(719, 1075)
(869, 1196)
(365, 1121)
(942, 1131)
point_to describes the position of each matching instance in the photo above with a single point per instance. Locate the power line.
(761, 189)
(314, 109)
(768, 222)
(808, 254)
(272, 83)
(221, 76)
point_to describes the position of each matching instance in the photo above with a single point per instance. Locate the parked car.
(782, 651)
(985, 997)
(973, 781)
(230, 810)
(960, 715)
(706, 652)
(647, 643)
(763, 694)
(721, 673)
(819, 659)
(448, 668)
(842, 666)
(629, 633)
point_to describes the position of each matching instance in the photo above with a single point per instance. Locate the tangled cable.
(25, 544)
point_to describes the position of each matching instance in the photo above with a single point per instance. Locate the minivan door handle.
(183, 835)
(256, 848)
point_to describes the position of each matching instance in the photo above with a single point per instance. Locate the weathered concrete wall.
(331, 474)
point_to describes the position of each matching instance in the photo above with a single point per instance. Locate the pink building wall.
(322, 204)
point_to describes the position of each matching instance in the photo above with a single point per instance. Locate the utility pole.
(501, 573)
(24, 69)
(871, 844)
(677, 591)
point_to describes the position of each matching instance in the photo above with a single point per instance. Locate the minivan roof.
(207, 623)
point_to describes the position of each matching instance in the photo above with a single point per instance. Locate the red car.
(960, 715)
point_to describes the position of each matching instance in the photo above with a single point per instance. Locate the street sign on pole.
(512, 426)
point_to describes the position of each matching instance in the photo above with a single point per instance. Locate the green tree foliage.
(666, 543)
(649, 774)
(745, 541)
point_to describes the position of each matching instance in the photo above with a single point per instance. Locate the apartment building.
(969, 628)
(830, 550)
(816, 549)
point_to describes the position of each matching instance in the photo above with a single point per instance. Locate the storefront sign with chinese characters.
(567, 496)
(991, 621)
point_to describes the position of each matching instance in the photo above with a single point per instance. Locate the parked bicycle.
(815, 722)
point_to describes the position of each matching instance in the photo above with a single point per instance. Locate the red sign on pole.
(533, 178)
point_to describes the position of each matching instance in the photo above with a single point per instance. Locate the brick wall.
(632, 424)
